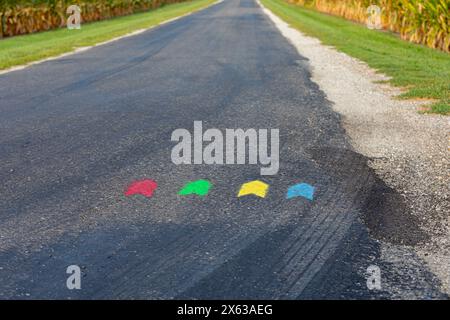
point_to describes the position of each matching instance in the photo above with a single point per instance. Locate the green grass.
(27, 48)
(423, 72)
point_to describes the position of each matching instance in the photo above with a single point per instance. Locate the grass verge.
(423, 72)
(20, 50)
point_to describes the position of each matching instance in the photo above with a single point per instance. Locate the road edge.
(402, 145)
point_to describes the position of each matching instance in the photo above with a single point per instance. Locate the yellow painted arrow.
(256, 187)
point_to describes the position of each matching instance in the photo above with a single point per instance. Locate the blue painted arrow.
(300, 190)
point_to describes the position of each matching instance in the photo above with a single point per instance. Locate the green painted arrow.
(198, 187)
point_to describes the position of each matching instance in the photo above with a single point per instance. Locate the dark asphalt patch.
(388, 218)
(383, 209)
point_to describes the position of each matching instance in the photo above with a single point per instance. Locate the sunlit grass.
(424, 72)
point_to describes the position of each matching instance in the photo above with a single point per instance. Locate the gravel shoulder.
(408, 150)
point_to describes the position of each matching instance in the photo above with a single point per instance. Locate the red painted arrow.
(144, 187)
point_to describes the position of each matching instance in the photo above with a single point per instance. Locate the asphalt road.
(75, 131)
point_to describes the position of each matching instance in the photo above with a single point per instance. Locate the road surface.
(75, 131)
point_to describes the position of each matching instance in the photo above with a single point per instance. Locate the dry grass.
(420, 21)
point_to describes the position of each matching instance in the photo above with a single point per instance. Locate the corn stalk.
(28, 16)
(420, 21)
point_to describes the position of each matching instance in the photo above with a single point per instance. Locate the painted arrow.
(198, 187)
(301, 190)
(256, 187)
(144, 187)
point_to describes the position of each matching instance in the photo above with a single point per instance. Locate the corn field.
(27, 16)
(420, 21)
